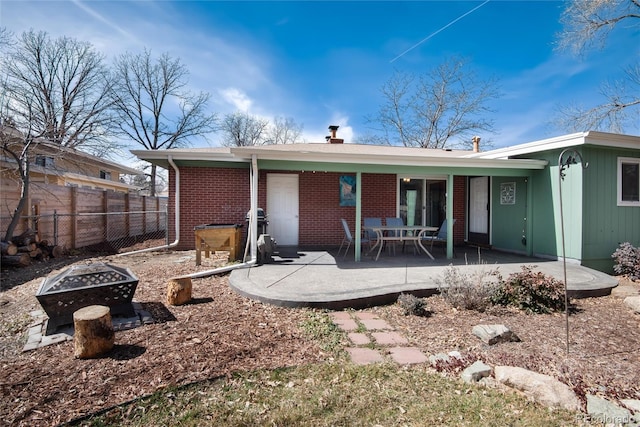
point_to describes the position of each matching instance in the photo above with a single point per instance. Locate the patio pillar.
(450, 216)
(358, 249)
(529, 212)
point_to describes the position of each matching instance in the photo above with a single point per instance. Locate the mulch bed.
(220, 333)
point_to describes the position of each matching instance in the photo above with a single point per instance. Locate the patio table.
(404, 233)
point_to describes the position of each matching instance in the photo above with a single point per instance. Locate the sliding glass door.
(422, 201)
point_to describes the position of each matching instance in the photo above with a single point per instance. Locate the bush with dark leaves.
(533, 292)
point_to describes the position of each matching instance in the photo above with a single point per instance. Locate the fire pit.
(83, 285)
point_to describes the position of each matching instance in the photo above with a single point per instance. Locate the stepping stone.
(365, 315)
(376, 324)
(407, 355)
(340, 315)
(346, 325)
(364, 356)
(358, 338)
(389, 338)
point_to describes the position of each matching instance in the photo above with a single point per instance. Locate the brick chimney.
(476, 144)
(331, 139)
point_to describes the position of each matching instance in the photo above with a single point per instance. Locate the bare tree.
(57, 89)
(146, 92)
(587, 24)
(429, 111)
(52, 92)
(241, 129)
(284, 130)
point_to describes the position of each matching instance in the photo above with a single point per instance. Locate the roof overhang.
(601, 139)
(337, 154)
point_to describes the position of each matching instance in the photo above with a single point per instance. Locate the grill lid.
(86, 276)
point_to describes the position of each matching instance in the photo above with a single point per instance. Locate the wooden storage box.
(218, 237)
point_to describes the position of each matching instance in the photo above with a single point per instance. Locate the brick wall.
(207, 196)
(222, 196)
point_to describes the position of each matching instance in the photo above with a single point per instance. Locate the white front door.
(479, 210)
(282, 208)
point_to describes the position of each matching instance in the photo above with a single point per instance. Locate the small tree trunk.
(179, 291)
(93, 334)
(20, 260)
(8, 248)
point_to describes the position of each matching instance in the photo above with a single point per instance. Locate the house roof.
(602, 139)
(44, 146)
(338, 153)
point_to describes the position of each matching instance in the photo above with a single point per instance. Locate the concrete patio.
(319, 279)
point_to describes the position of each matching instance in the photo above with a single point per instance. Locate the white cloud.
(237, 98)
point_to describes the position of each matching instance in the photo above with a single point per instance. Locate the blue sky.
(324, 62)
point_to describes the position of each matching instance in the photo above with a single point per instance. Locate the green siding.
(606, 225)
(508, 222)
(547, 235)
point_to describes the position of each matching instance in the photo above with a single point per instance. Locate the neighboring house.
(53, 164)
(506, 199)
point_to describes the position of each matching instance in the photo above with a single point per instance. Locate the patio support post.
(358, 249)
(253, 224)
(450, 216)
(529, 213)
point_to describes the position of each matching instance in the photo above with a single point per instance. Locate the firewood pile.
(22, 249)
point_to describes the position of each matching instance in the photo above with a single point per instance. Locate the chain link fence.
(115, 232)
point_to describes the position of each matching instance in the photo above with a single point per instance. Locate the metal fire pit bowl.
(83, 285)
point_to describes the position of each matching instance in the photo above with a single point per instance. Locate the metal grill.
(80, 286)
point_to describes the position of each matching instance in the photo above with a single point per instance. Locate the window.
(628, 181)
(44, 161)
(105, 175)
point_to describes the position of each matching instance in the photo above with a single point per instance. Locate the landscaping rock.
(633, 303)
(542, 388)
(476, 372)
(494, 334)
(607, 412)
(633, 404)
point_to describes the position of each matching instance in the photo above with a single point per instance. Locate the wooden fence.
(79, 217)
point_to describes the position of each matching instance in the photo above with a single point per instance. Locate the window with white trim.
(628, 181)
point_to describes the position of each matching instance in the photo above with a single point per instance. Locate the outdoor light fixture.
(572, 158)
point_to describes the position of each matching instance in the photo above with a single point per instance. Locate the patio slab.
(320, 279)
(364, 356)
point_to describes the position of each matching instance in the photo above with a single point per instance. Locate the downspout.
(253, 229)
(177, 215)
(253, 224)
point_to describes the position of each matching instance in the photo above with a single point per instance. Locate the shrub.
(469, 292)
(533, 292)
(413, 305)
(627, 258)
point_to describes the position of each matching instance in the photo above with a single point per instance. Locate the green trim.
(390, 169)
(450, 216)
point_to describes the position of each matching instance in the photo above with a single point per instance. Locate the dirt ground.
(221, 332)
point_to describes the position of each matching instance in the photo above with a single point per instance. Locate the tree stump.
(179, 290)
(93, 331)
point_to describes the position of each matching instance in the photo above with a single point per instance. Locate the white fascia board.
(602, 139)
(187, 155)
(407, 161)
(534, 147)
